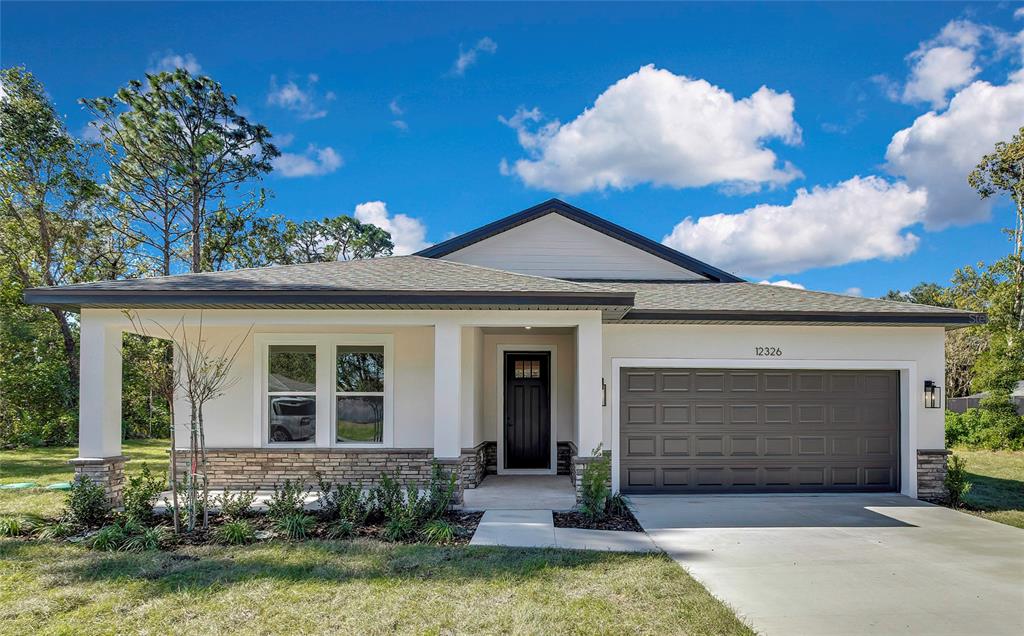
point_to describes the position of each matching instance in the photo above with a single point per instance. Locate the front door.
(527, 411)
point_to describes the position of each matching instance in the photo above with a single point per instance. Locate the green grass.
(350, 588)
(998, 484)
(50, 465)
(336, 587)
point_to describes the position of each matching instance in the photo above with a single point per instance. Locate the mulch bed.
(624, 523)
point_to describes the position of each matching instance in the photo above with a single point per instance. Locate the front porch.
(438, 397)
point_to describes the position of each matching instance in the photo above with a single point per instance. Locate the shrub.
(86, 502)
(140, 493)
(288, 500)
(594, 485)
(438, 531)
(956, 482)
(235, 533)
(235, 505)
(353, 504)
(296, 526)
(127, 535)
(439, 493)
(399, 529)
(341, 529)
(994, 426)
(386, 496)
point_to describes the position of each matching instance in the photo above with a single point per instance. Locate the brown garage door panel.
(723, 430)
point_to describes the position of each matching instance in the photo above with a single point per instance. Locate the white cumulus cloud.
(306, 101)
(940, 149)
(314, 162)
(859, 219)
(468, 57)
(782, 283)
(407, 233)
(654, 126)
(1018, 14)
(171, 61)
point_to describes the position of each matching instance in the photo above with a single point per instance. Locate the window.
(527, 368)
(359, 394)
(291, 393)
(324, 390)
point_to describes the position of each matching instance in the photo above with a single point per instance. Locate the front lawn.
(360, 586)
(46, 466)
(998, 490)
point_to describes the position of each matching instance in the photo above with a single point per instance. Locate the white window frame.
(326, 396)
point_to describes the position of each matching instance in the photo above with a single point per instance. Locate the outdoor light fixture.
(604, 393)
(527, 328)
(932, 395)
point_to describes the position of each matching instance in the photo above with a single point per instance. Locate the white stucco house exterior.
(523, 346)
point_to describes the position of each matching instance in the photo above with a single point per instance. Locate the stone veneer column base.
(931, 473)
(104, 471)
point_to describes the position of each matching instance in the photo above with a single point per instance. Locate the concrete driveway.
(845, 564)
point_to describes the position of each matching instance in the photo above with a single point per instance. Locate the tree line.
(171, 184)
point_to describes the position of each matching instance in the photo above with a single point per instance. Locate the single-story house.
(524, 346)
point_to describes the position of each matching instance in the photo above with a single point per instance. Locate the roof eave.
(936, 319)
(77, 299)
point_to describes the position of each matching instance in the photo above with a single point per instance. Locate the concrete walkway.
(521, 492)
(536, 529)
(845, 564)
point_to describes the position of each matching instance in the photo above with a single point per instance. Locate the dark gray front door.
(527, 411)
(744, 430)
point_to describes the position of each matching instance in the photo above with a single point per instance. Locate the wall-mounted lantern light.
(932, 395)
(604, 393)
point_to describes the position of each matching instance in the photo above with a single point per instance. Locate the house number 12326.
(768, 352)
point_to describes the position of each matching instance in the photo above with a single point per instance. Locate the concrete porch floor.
(521, 492)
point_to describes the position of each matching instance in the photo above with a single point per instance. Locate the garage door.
(742, 430)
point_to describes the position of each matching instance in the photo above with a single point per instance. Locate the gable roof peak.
(588, 219)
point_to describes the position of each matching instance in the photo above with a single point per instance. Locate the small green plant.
(399, 529)
(341, 529)
(956, 482)
(57, 529)
(235, 505)
(109, 538)
(353, 504)
(386, 497)
(11, 527)
(235, 532)
(142, 540)
(296, 526)
(86, 502)
(594, 485)
(439, 531)
(288, 500)
(140, 493)
(617, 505)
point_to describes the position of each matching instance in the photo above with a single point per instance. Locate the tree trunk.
(197, 230)
(174, 469)
(202, 463)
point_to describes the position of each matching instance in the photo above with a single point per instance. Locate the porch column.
(447, 390)
(589, 425)
(99, 404)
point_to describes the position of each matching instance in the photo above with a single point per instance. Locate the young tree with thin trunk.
(202, 372)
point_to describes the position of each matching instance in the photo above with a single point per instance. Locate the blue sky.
(644, 114)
